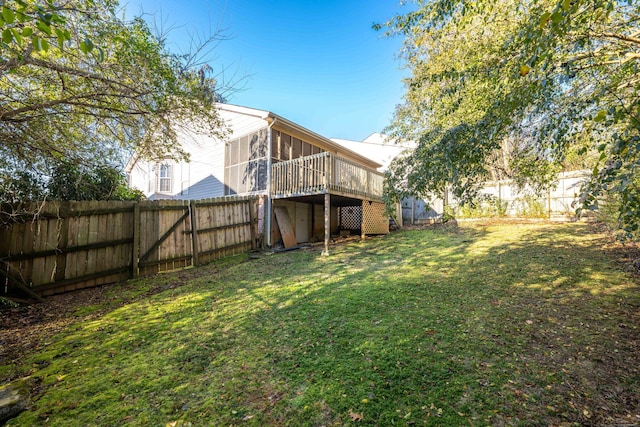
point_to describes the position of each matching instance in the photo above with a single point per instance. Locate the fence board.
(115, 258)
(92, 265)
(203, 216)
(101, 254)
(218, 220)
(73, 245)
(38, 243)
(72, 240)
(229, 232)
(28, 241)
(83, 239)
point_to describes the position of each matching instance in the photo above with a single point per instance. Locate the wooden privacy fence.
(75, 245)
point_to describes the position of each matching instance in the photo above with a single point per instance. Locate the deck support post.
(327, 223)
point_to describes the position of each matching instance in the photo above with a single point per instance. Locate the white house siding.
(203, 176)
(241, 124)
(138, 177)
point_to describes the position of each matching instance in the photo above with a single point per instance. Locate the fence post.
(195, 247)
(64, 213)
(136, 241)
(413, 210)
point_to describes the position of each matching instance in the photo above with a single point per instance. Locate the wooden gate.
(163, 238)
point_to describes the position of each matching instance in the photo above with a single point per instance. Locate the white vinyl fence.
(503, 199)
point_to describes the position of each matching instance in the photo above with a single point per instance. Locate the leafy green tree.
(20, 184)
(521, 89)
(79, 84)
(63, 181)
(70, 181)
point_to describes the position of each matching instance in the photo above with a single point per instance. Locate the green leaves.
(601, 116)
(544, 19)
(86, 85)
(556, 18)
(44, 27)
(62, 36)
(86, 45)
(7, 36)
(41, 24)
(474, 114)
(7, 15)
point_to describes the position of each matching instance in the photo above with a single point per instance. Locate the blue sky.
(317, 63)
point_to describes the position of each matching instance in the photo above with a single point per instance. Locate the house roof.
(295, 130)
(377, 147)
(280, 123)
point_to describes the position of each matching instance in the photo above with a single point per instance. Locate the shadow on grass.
(502, 325)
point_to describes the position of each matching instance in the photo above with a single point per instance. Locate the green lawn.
(485, 324)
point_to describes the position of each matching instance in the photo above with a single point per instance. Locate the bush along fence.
(502, 199)
(74, 245)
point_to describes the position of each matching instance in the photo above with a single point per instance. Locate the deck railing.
(325, 173)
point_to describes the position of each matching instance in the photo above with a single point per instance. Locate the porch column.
(268, 209)
(327, 223)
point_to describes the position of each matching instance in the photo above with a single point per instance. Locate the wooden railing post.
(329, 170)
(368, 185)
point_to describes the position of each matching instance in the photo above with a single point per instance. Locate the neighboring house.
(313, 185)
(382, 149)
(513, 201)
(377, 147)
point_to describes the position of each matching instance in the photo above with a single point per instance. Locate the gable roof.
(376, 146)
(285, 125)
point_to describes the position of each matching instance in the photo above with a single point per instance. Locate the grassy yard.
(485, 324)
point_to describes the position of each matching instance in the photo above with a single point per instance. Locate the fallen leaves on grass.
(356, 416)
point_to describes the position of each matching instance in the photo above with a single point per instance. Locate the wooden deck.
(325, 173)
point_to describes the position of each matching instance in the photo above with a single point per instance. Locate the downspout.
(268, 206)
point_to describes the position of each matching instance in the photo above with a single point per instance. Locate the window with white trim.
(164, 178)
